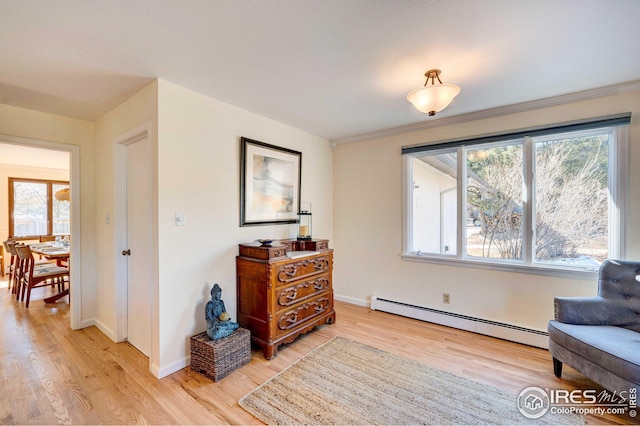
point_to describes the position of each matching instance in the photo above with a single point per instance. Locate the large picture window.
(552, 199)
(35, 210)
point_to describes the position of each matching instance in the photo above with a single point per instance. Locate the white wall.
(196, 153)
(198, 175)
(40, 126)
(368, 226)
(429, 185)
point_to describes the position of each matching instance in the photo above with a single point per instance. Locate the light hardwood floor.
(50, 374)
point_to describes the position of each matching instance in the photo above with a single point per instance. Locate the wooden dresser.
(284, 290)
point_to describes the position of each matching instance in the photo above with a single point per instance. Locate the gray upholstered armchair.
(600, 336)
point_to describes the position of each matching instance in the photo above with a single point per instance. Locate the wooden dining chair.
(9, 246)
(15, 265)
(33, 276)
(9, 252)
(2, 271)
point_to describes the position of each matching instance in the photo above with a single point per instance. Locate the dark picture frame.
(270, 178)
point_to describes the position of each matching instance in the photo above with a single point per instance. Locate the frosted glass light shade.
(63, 195)
(434, 98)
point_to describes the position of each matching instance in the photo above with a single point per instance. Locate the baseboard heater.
(500, 330)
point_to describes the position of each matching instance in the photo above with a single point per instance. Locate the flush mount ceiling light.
(435, 97)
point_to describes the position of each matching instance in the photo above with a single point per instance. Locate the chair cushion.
(46, 271)
(615, 349)
(38, 267)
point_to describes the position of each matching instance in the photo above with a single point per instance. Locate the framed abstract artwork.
(269, 183)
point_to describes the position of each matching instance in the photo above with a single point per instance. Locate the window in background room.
(35, 211)
(61, 209)
(551, 199)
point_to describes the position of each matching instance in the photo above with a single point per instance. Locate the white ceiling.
(334, 68)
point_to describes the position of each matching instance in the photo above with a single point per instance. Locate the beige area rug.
(345, 382)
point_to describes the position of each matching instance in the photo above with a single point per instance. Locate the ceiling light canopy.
(435, 97)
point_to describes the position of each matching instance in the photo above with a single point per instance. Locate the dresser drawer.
(294, 294)
(290, 319)
(302, 269)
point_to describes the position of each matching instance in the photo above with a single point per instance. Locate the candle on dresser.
(304, 230)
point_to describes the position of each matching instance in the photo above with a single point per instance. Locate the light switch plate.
(179, 219)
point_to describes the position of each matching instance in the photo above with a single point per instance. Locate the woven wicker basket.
(219, 358)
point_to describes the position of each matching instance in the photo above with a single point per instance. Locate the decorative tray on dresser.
(284, 290)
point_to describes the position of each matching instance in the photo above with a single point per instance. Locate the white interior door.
(138, 251)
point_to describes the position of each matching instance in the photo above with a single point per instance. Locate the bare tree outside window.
(34, 209)
(571, 200)
(61, 212)
(496, 192)
(29, 208)
(550, 199)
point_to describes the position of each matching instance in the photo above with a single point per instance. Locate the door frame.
(75, 301)
(120, 143)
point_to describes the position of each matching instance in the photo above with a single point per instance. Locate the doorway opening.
(36, 159)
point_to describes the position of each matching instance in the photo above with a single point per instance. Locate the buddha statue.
(219, 322)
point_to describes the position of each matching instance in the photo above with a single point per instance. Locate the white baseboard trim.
(178, 365)
(105, 330)
(86, 323)
(351, 300)
(155, 369)
(161, 372)
(513, 333)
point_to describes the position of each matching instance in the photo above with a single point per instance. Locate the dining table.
(60, 252)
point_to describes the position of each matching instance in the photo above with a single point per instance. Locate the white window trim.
(618, 216)
(619, 186)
